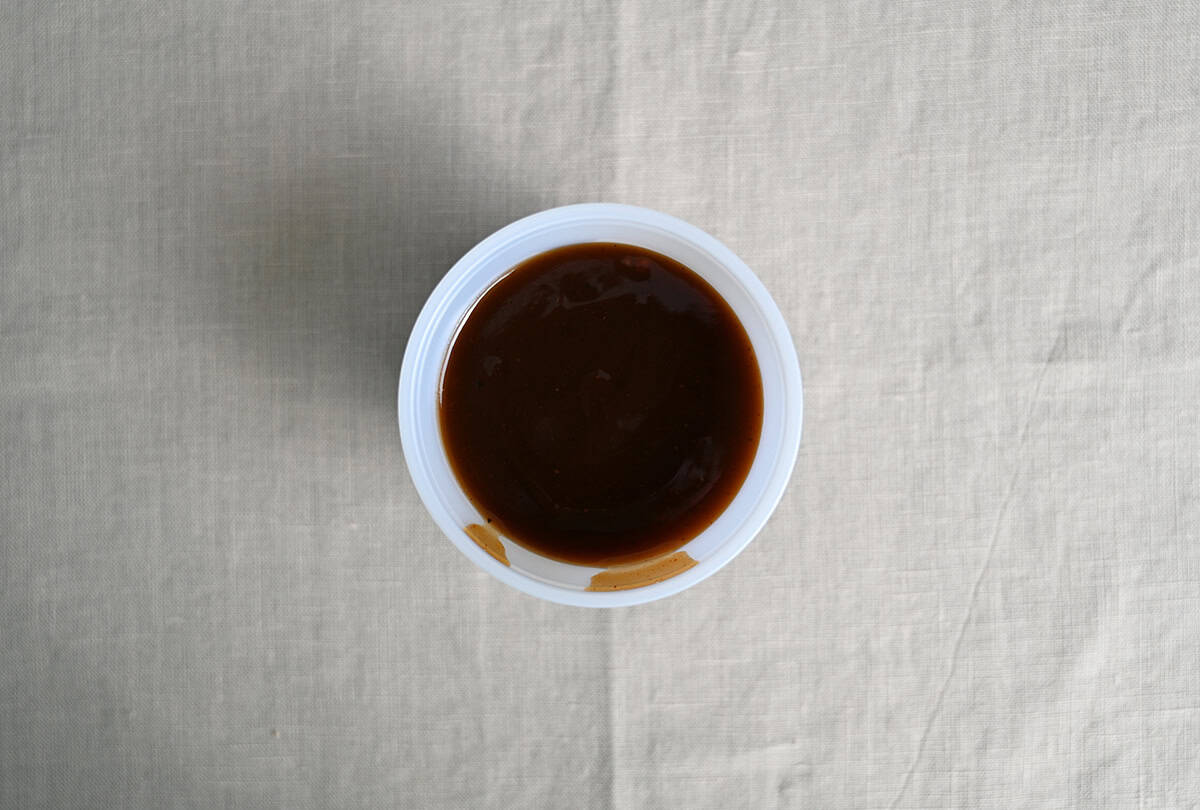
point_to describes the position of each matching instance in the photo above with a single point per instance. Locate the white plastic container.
(474, 273)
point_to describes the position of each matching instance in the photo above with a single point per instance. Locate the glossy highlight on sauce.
(601, 404)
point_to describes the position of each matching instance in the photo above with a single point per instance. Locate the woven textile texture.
(218, 221)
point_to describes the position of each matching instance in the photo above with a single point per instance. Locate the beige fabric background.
(217, 224)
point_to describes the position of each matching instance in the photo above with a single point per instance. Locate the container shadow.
(329, 250)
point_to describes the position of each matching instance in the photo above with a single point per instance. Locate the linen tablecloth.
(219, 220)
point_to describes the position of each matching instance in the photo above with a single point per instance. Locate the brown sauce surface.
(601, 404)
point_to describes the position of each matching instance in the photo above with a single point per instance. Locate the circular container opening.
(434, 333)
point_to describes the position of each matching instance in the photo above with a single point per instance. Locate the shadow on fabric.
(331, 240)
